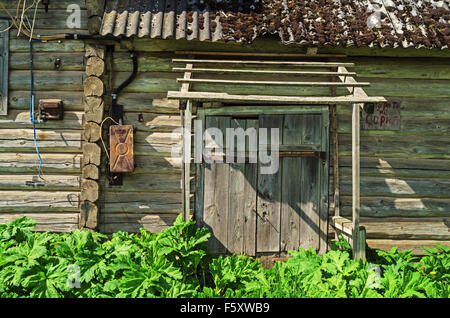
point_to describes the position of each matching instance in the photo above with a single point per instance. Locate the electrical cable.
(32, 112)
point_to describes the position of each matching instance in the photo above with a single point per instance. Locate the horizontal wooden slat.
(398, 187)
(260, 54)
(34, 183)
(156, 142)
(141, 202)
(164, 183)
(318, 100)
(52, 222)
(407, 228)
(60, 4)
(47, 80)
(249, 71)
(157, 164)
(398, 228)
(302, 64)
(415, 106)
(22, 140)
(73, 101)
(54, 19)
(38, 201)
(152, 121)
(416, 246)
(272, 83)
(21, 119)
(22, 44)
(401, 207)
(51, 163)
(419, 146)
(397, 173)
(397, 163)
(111, 223)
(46, 61)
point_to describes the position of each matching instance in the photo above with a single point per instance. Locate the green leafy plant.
(176, 263)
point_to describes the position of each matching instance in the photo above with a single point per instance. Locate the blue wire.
(32, 106)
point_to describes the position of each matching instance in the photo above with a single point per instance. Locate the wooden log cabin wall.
(52, 201)
(405, 173)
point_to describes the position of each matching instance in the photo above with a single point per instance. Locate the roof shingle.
(384, 23)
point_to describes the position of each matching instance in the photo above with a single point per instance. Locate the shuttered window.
(4, 48)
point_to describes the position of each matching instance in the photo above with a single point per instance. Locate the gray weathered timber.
(291, 212)
(242, 202)
(216, 202)
(45, 183)
(141, 202)
(309, 201)
(399, 207)
(28, 163)
(4, 58)
(250, 62)
(250, 206)
(54, 222)
(110, 223)
(269, 198)
(416, 246)
(301, 100)
(38, 201)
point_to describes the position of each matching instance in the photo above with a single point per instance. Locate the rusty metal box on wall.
(121, 145)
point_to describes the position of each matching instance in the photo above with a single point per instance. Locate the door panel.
(250, 212)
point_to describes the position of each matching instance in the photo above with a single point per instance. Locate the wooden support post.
(187, 158)
(187, 127)
(358, 231)
(357, 246)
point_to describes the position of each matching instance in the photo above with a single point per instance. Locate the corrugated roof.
(384, 23)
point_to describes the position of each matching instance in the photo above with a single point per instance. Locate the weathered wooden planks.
(216, 201)
(420, 147)
(46, 183)
(402, 207)
(28, 163)
(47, 80)
(21, 140)
(241, 225)
(407, 228)
(291, 211)
(111, 223)
(21, 119)
(38, 201)
(54, 222)
(399, 187)
(269, 197)
(416, 246)
(140, 202)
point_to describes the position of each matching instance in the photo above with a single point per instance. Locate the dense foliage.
(175, 263)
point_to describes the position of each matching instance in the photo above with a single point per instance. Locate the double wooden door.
(253, 212)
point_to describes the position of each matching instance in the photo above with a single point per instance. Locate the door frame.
(237, 111)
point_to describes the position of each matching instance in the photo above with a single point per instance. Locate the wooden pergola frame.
(340, 76)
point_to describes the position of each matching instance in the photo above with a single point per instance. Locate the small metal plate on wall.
(381, 116)
(121, 145)
(51, 109)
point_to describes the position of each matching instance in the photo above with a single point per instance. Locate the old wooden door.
(255, 213)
